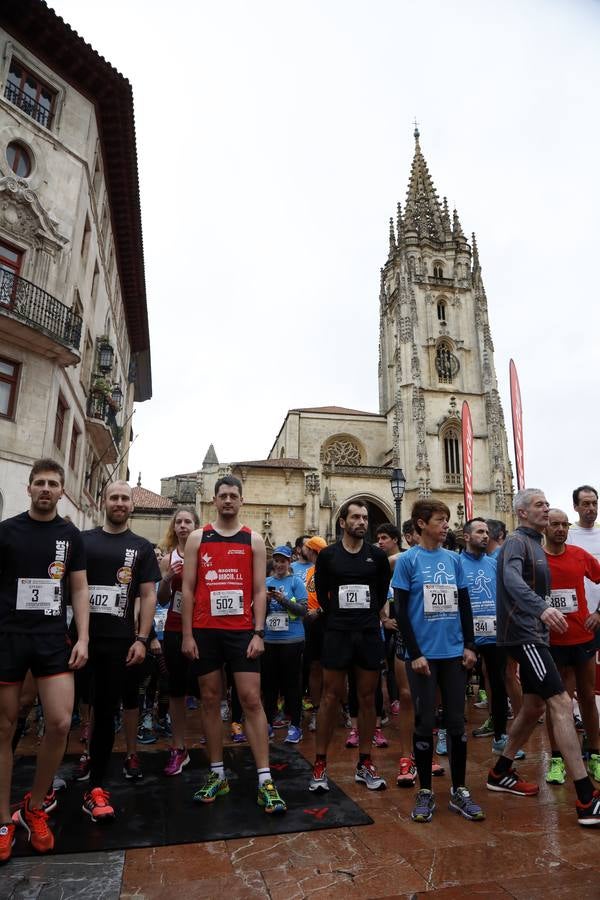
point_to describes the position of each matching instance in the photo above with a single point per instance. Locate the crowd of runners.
(93, 621)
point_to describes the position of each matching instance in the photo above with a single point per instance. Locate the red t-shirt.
(567, 572)
(224, 587)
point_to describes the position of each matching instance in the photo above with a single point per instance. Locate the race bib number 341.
(440, 599)
(226, 603)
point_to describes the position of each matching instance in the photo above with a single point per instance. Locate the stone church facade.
(435, 350)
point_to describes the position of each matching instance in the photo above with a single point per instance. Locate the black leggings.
(353, 697)
(111, 681)
(281, 673)
(495, 666)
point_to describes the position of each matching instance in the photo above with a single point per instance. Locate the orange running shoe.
(96, 805)
(7, 839)
(35, 821)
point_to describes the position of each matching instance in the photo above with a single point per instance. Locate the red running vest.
(223, 597)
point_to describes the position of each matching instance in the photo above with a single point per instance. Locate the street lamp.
(398, 484)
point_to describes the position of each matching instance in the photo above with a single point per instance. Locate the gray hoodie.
(522, 589)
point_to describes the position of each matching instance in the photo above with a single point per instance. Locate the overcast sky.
(274, 140)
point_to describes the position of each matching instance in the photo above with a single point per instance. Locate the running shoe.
(312, 725)
(281, 721)
(485, 730)
(213, 787)
(318, 781)
(594, 766)
(366, 773)
(145, 733)
(82, 769)
(49, 803)
(237, 733)
(224, 711)
(191, 703)
(557, 773)
(269, 799)
(482, 700)
(436, 769)
(58, 783)
(407, 772)
(395, 708)
(307, 704)
(511, 783)
(499, 746)
(578, 722)
(379, 739)
(35, 822)
(352, 739)
(293, 736)
(441, 748)
(462, 803)
(132, 768)
(163, 726)
(424, 806)
(589, 813)
(96, 805)
(7, 840)
(178, 758)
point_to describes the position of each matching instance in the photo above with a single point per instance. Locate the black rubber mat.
(157, 810)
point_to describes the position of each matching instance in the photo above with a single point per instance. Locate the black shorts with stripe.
(537, 670)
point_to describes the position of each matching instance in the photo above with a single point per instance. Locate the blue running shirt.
(480, 575)
(432, 579)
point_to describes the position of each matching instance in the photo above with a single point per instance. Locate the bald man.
(121, 566)
(574, 652)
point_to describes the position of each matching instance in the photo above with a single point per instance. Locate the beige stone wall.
(152, 526)
(68, 189)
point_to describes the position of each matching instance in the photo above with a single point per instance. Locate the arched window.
(442, 311)
(451, 440)
(446, 363)
(438, 270)
(411, 264)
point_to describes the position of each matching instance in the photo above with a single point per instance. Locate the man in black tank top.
(351, 579)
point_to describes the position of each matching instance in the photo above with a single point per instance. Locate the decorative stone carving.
(342, 453)
(22, 214)
(266, 532)
(312, 483)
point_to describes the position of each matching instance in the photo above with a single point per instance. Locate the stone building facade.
(435, 350)
(74, 342)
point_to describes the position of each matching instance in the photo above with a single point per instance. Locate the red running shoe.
(96, 805)
(511, 783)
(35, 822)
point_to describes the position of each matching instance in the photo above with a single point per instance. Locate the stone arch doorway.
(378, 514)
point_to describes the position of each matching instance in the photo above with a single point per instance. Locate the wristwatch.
(260, 632)
(142, 640)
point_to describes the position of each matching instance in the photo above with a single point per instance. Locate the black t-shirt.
(352, 587)
(36, 559)
(116, 566)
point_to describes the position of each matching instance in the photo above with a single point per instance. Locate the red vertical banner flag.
(517, 423)
(467, 454)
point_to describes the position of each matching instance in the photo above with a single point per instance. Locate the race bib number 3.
(440, 599)
(39, 595)
(278, 622)
(177, 602)
(105, 599)
(226, 603)
(354, 596)
(484, 626)
(565, 600)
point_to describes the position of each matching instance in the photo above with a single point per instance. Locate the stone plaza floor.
(527, 848)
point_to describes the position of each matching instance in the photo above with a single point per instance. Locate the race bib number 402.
(39, 595)
(105, 599)
(354, 596)
(440, 599)
(227, 603)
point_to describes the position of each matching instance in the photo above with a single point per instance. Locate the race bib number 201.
(440, 599)
(227, 603)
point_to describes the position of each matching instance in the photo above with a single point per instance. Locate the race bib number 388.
(227, 603)
(440, 599)
(565, 600)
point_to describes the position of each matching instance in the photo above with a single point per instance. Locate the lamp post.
(398, 484)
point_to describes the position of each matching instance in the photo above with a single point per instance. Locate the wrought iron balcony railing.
(37, 111)
(30, 304)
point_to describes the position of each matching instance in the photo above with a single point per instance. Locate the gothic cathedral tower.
(435, 351)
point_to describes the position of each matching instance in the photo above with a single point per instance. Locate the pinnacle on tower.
(474, 253)
(422, 213)
(393, 245)
(457, 231)
(211, 457)
(446, 217)
(399, 223)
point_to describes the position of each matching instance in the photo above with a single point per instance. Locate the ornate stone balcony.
(38, 321)
(103, 428)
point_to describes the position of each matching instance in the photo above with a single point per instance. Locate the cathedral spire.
(474, 253)
(393, 246)
(399, 223)
(446, 218)
(457, 231)
(422, 213)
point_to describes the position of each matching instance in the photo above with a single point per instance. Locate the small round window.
(19, 159)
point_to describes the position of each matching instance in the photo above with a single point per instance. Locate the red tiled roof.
(274, 464)
(145, 499)
(334, 411)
